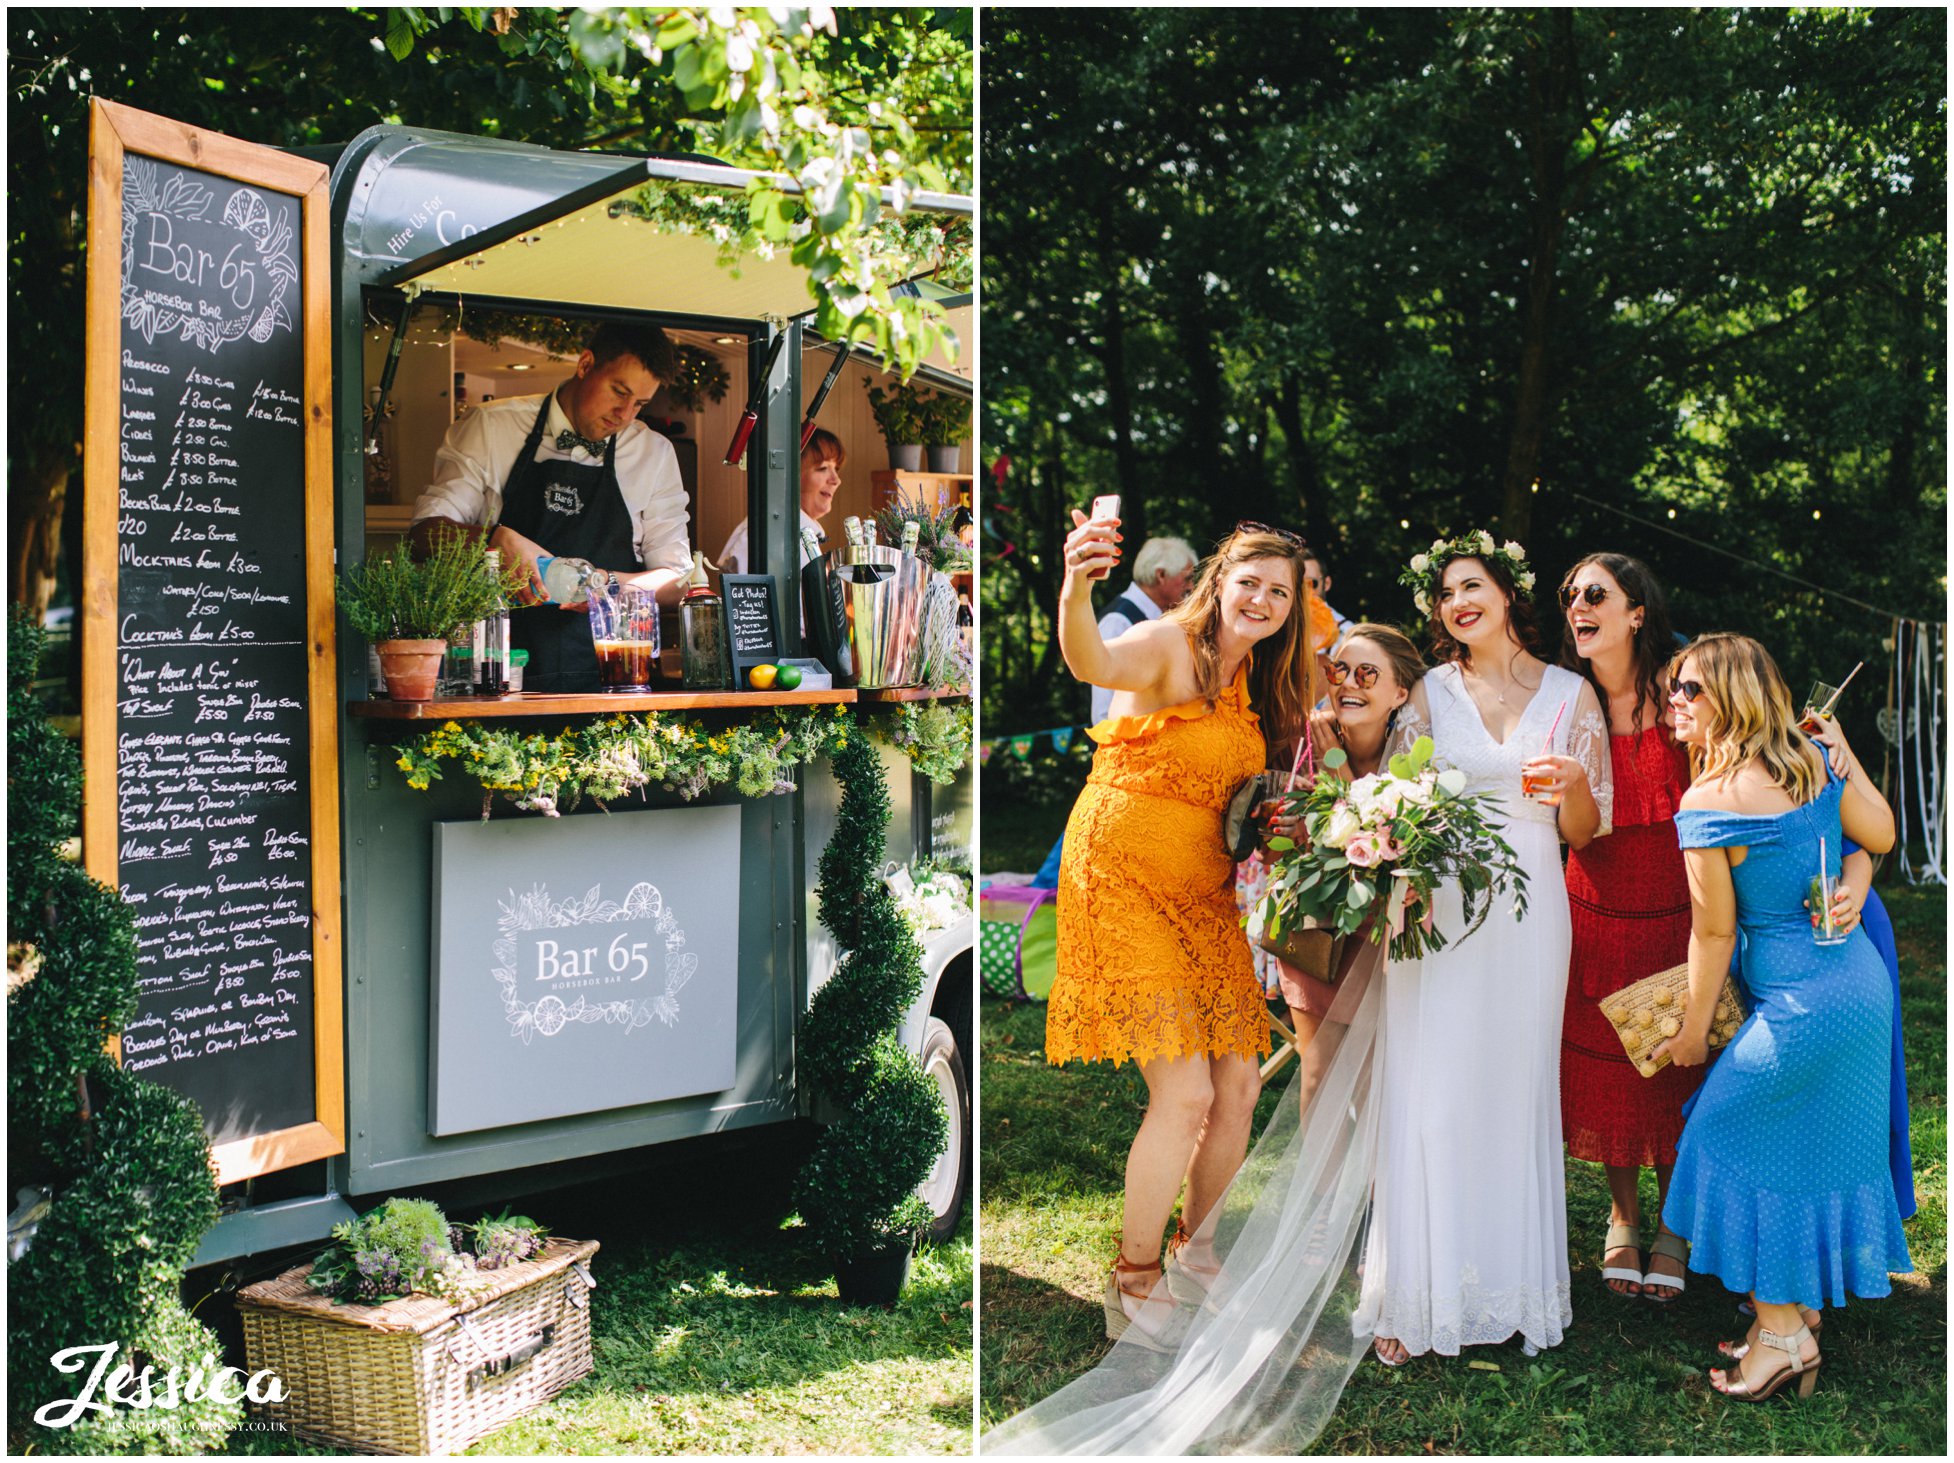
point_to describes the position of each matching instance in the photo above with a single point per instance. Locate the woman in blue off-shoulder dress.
(1781, 1185)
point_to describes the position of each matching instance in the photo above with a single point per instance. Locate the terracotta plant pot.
(411, 667)
(905, 457)
(873, 1280)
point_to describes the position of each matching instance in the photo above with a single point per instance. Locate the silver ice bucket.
(885, 615)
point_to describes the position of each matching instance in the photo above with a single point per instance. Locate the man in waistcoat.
(573, 474)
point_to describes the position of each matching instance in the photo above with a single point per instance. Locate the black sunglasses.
(1250, 525)
(1689, 690)
(1364, 675)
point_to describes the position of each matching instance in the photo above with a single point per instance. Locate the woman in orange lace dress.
(1152, 962)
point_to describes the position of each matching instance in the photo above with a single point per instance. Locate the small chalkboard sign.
(751, 622)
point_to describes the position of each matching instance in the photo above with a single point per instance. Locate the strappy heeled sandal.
(1738, 1350)
(1677, 1249)
(1187, 1283)
(1795, 1366)
(1622, 1237)
(1119, 1325)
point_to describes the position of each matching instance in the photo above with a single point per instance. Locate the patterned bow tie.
(569, 441)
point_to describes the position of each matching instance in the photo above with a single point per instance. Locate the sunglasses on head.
(1364, 675)
(1250, 525)
(1688, 690)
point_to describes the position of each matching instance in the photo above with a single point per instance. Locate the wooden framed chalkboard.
(752, 628)
(209, 726)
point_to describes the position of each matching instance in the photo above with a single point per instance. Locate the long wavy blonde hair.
(1749, 716)
(1283, 678)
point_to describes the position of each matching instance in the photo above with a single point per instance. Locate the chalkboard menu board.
(205, 541)
(750, 619)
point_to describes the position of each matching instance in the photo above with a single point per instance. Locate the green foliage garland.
(858, 1190)
(124, 1162)
(617, 755)
(936, 736)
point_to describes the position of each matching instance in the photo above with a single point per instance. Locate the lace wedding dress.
(1434, 1084)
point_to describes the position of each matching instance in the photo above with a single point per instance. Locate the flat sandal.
(1677, 1249)
(1622, 1237)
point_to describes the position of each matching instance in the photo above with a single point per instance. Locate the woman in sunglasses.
(1629, 904)
(1153, 966)
(1371, 674)
(1781, 1183)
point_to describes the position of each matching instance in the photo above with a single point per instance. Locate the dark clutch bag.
(1239, 833)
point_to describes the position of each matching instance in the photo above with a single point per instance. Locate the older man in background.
(1162, 572)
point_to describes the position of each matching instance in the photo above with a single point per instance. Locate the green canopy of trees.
(1593, 279)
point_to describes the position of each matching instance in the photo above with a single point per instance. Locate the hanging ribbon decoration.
(1919, 717)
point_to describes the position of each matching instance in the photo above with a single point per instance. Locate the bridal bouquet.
(1383, 843)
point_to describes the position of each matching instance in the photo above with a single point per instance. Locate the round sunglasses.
(1688, 690)
(1364, 675)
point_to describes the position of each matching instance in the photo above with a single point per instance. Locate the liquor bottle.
(810, 545)
(567, 581)
(491, 640)
(702, 632)
(912, 535)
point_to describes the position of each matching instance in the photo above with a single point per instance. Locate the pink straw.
(1556, 726)
(1305, 756)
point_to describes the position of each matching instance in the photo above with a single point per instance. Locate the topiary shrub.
(858, 1189)
(122, 1164)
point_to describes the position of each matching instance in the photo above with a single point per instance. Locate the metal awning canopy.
(593, 247)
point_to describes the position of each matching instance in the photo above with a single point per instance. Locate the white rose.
(1512, 549)
(1485, 542)
(1420, 563)
(1438, 546)
(1418, 794)
(1525, 581)
(1341, 826)
(1423, 601)
(1388, 799)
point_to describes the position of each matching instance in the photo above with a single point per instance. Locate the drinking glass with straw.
(1823, 700)
(1825, 926)
(1539, 788)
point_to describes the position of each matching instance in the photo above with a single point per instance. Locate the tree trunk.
(36, 501)
(1550, 78)
(1119, 407)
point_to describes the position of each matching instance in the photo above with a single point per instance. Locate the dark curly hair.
(1655, 641)
(1522, 627)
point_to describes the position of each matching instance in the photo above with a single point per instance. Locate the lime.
(789, 678)
(760, 677)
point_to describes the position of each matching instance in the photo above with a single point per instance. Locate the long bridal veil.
(1259, 1365)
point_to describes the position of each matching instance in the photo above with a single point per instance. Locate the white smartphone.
(1105, 509)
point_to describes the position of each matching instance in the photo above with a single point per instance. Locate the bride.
(1437, 1084)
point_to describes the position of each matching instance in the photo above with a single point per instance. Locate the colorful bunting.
(1062, 740)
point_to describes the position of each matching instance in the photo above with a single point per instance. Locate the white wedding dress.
(1420, 1195)
(1468, 1240)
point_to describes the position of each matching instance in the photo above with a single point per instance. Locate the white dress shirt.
(732, 558)
(1130, 609)
(481, 448)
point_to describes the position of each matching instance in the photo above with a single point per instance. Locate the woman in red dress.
(1629, 901)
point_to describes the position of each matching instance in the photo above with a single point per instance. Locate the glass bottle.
(567, 581)
(702, 632)
(491, 640)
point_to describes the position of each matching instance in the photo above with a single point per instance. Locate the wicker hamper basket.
(418, 1375)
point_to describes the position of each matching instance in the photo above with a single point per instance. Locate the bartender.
(821, 462)
(573, 474)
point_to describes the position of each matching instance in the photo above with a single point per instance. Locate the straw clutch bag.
(1649, 1012)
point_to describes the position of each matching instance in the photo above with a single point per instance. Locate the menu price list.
(212, 743)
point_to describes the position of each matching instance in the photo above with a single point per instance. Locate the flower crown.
(1421, 575)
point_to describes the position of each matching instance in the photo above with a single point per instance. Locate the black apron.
(574, 510)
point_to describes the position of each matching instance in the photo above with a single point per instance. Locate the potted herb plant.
(946, 422)
(899, 411)
(407, 608)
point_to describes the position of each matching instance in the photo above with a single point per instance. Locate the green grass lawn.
(716, 1329)
(1630, 1377)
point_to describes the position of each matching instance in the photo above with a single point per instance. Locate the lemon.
(789, 678)
(760, 677)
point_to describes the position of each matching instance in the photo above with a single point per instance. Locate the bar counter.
(537, 703)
